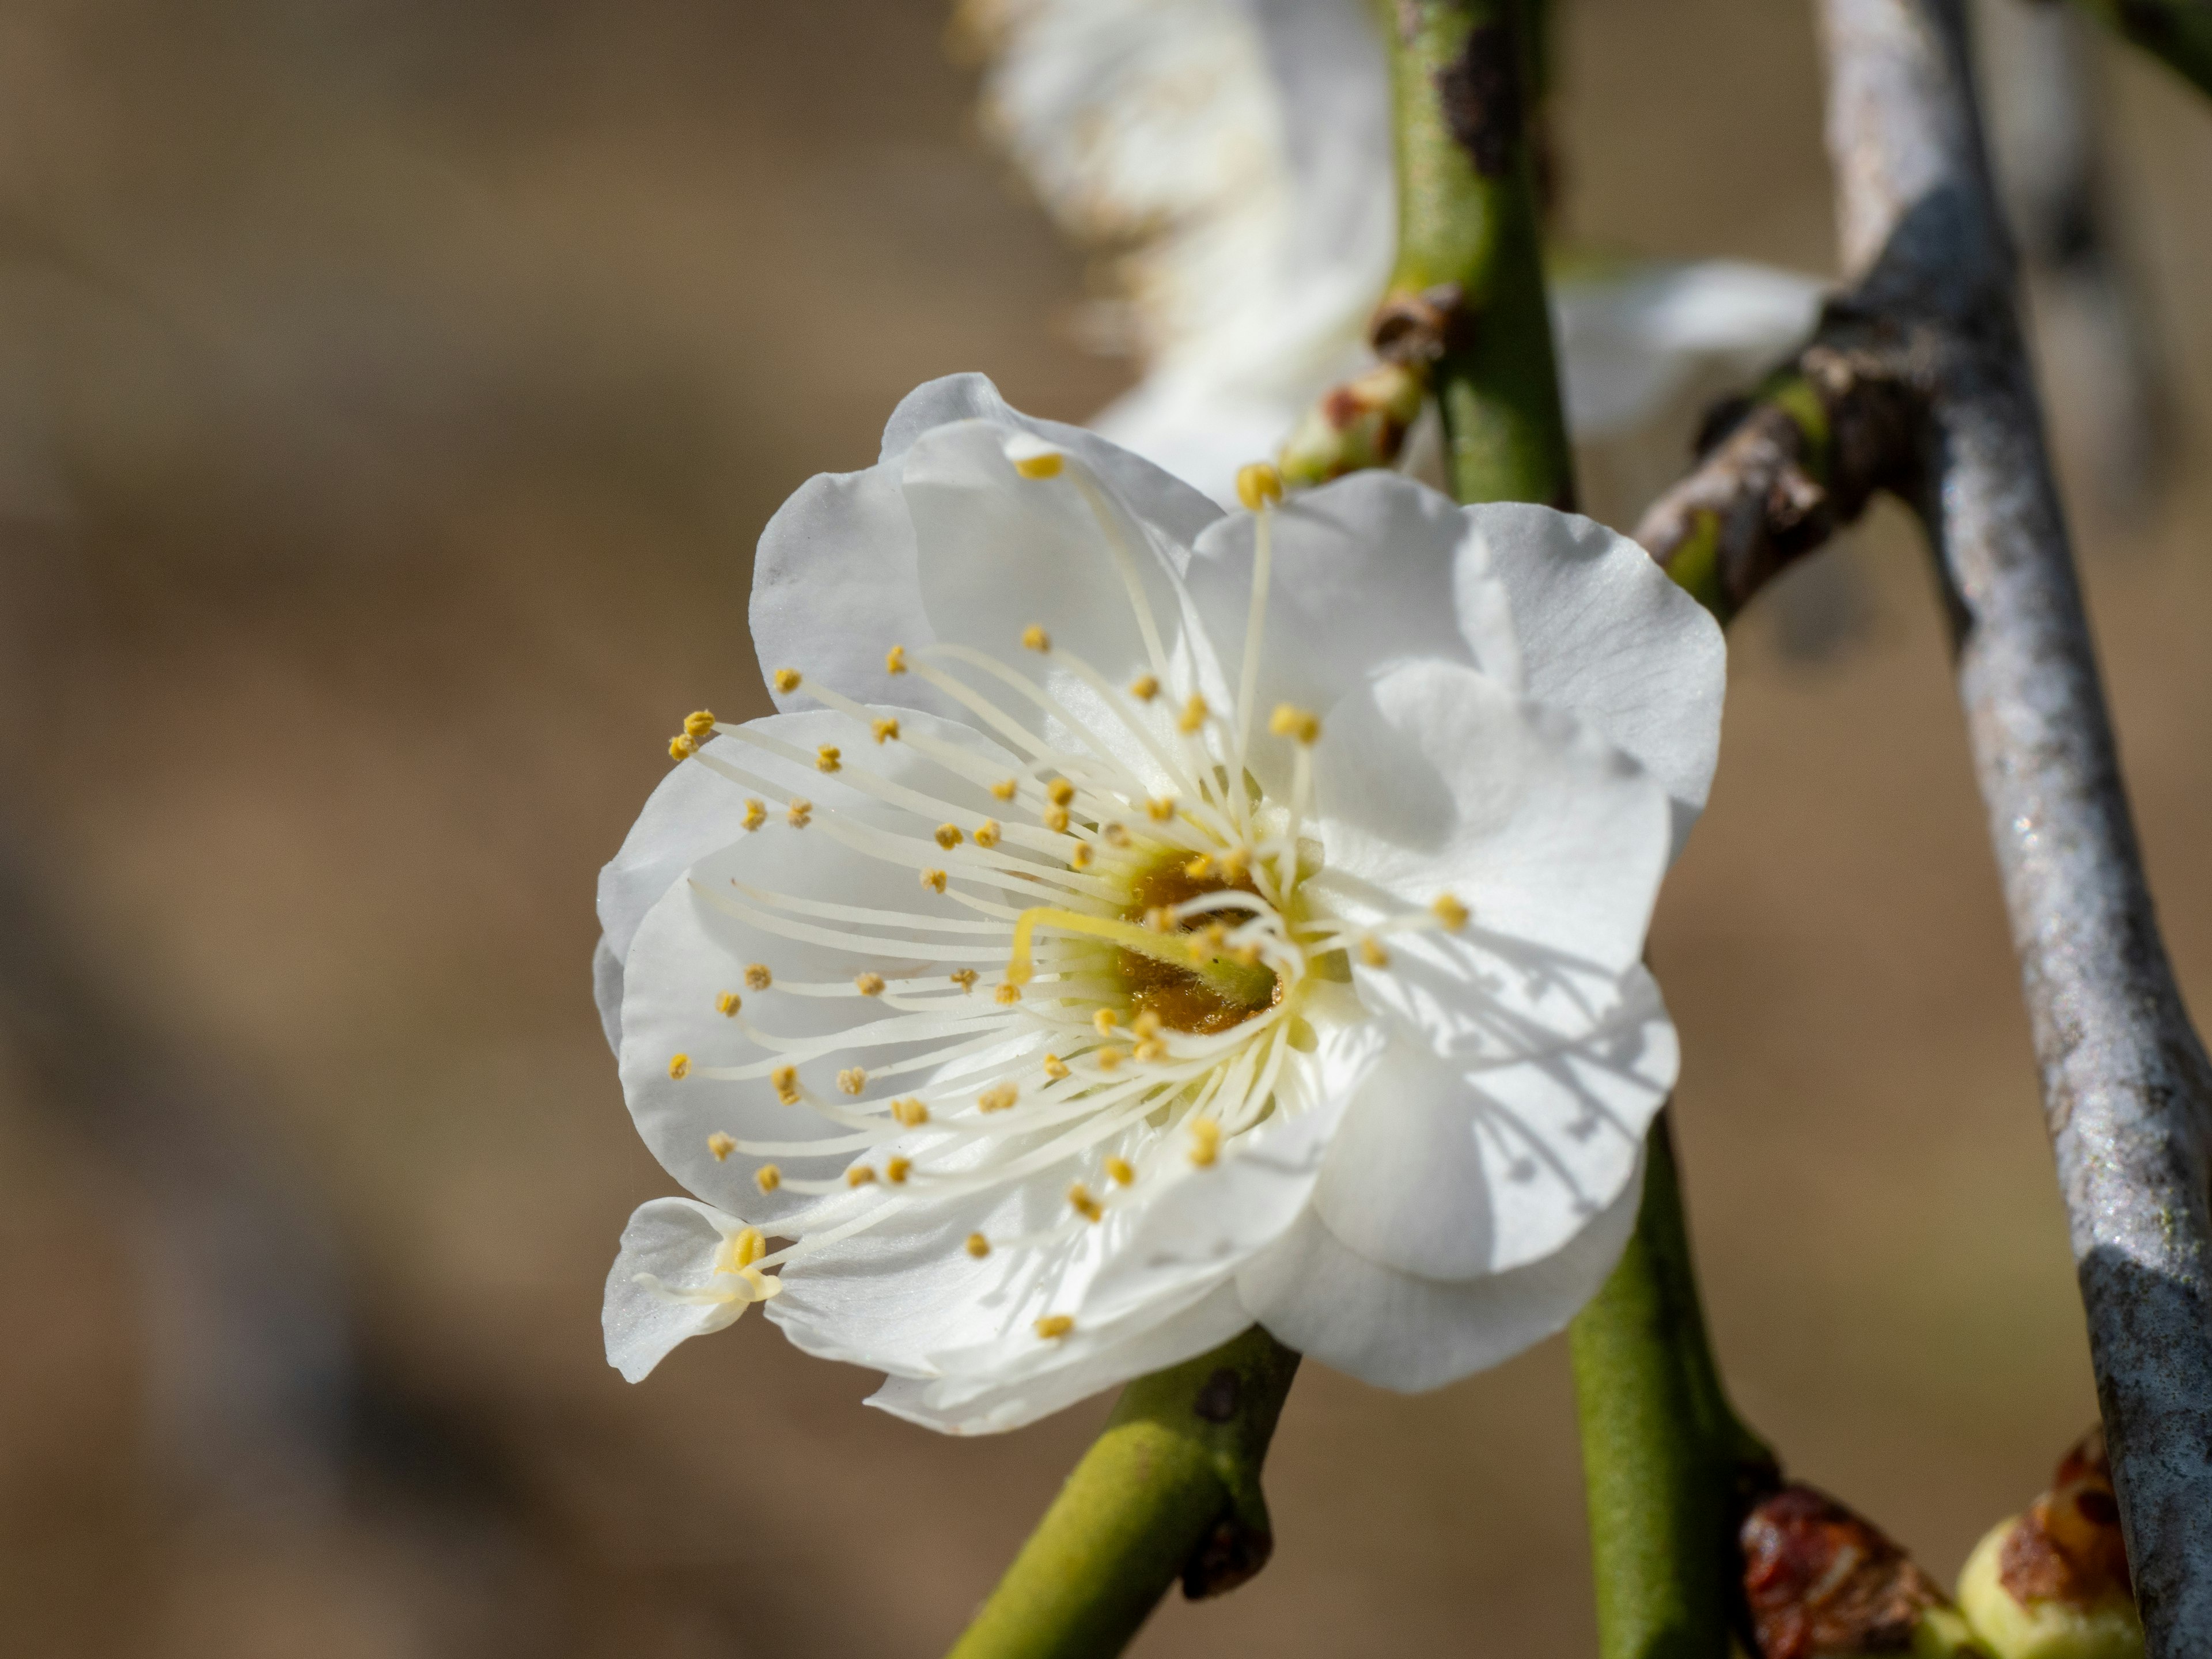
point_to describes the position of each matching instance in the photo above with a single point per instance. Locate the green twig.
(1668, 1465)
(2177, 33)
(1662, 1450)
(1467, 294)
(1170, 1490)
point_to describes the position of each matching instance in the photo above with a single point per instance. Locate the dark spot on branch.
(1231, 1555)
(1218, 1399)
(1479, 92)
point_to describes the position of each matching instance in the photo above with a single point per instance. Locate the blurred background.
(391, 393)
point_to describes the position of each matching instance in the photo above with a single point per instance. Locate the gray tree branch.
(1919, 384)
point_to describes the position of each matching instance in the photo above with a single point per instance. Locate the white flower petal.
(1631, 340)
(955, 1409)
(1448, 1171)
(1001, 553)
(676, 1241)
(834, 583)
(1436, 780)
(908, 1298)
(834, 589)
(1398, 1331)
(1608, 637)
(1162, 497)
(1365, 573)
(695, 944)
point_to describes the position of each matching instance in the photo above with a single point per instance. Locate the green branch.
(1468, 294)
(2177, 33)
(1171, 1490)
(1663, 1454)
(1668, 1466)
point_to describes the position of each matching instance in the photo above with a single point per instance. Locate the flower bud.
(1823, 1584)
(2053, 1583)
(1360, 423)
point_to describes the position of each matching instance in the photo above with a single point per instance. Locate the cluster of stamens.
(1152, 948)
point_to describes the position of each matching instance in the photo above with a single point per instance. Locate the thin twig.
(1171, 1490)
(2127, 1087)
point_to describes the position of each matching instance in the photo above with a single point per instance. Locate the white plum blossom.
(1241, 150)
(1140, 920)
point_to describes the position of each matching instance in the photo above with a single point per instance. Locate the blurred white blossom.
(1241, 151)
(1141, 920)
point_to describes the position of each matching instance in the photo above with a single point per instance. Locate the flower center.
(1222, 988)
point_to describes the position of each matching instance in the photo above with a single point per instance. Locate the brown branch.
(1935, 404)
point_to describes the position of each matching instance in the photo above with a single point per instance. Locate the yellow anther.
(895, 1168)
(679, 1065)
(681, 747)
(934, 880)
(978, 1246)
(1055, 819)
(1194, 715)
(768, 1177)
(756, 814)
(1235, 863)
(1079, 1200)
(698, 724)
(949, 835)
(1081, 857)
(1105, 1020)
(786, 679)
(1146, 1024)
(1151, 1050)
(1116, 835)
(1160, 808)
(1245, 956)
(868, 985)
(895, 661)
(1007, 996)
(728, 1004)
(852, 1079)
(1005, 788)
(1110, 1059)
(1035, 639)
(748, 1247)
(1045, 463)
(785, 1081)
(1144, 688)
(758, 977)
(999, 1097)
(1055, 1068)
(988, 832)
(1160, 919)
(1205, 1140)
(799, 812)
(885, 730)
(1289, 721)
(720, 1144)
(1059, 792)
(859, 1175)
(829, 757)
(1372, 953)
(1450, 912)
(1053, 1327)
(1258, 483)
(965, 978)
(910, 1113)
(1216, 934)
(1122, 1172)
(1199, 868)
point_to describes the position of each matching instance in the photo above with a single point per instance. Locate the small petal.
(1398, 1331)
